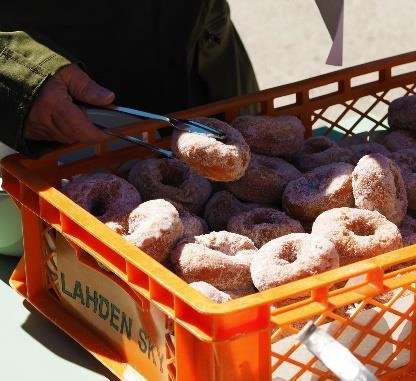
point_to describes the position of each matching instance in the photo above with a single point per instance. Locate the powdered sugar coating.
(402, 113)
(210, 292)
(406, 159)
(202, 262)
(271, 135)
(192, 225)
(360, 150)
(214, 159)
(357, 233)
(319, 151)
(408, 230)
(323, 188)
(226, 242)
(398, 140)
(221, 206)
(292, 257)
(170, 179)
(264, 180)
(155, 227)
(263, 225)
(377, 184)
(246, 255)
(106, 196)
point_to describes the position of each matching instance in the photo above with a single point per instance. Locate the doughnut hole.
(319, 151)
(98, 207)
(173, 180)
(361, 227)
(222, 206)
(290, 251)
(261, 218)
(172, 176)
(317, 144)
(262, 225)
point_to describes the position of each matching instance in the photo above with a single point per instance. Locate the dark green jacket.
(156, 55)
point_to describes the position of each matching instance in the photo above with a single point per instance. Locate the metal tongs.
(333, 354)
(180, 124)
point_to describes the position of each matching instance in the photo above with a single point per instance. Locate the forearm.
(25, 64)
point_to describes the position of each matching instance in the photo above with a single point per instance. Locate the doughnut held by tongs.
(180, 124)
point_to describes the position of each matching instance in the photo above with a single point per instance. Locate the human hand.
(54, 116)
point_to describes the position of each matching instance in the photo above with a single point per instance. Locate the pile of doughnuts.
(263, 207)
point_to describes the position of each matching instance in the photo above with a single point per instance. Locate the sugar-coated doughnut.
(106, 196)
(406, 159)
(154, 227)
(264, 180)
(221, 206)
(227, 242)
(214, 159)
(192, 225)
(357, 233)
(217, 295)
(408, 230)
(316, 144)
(397, 140)
(402, 113)
(272, 135)
(323, 188)
(377, 184)
(360, 150)
(362, 138)
(263, 225)
(211, 292)
(215, 259)
(292, 257)
(319, 151)
(170, 179)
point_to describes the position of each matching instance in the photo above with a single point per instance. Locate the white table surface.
(32, 348)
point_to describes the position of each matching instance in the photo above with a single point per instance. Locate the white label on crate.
(132, 325)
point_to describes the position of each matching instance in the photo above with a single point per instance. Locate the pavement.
(287, 40)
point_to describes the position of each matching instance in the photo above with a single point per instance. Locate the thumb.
(84, 89)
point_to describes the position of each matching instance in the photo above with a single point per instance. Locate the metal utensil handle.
(180, 124)
(205, 127)
(139, 113)
(333, 354)
(137, 141)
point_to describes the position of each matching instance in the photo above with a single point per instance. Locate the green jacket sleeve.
(25, 64)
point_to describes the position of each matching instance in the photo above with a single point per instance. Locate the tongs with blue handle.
(180, 124)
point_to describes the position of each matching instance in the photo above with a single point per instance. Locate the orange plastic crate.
(183, 335)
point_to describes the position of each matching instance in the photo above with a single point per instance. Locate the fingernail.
(105, 93)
